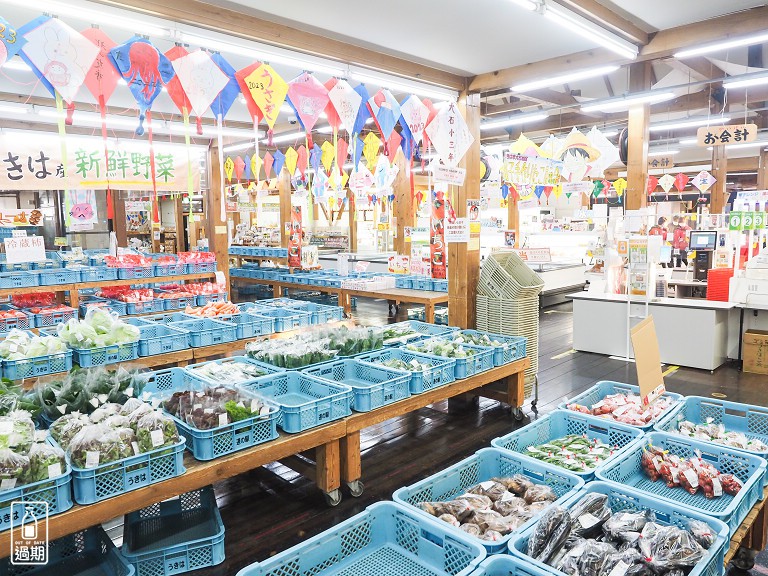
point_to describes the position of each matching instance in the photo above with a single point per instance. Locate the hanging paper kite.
(703, 181)
(266, 90)
(59, 55)
(681, 181)
(346, 102)
(174, 87)
(269, 160)
(327, 155)
(330, 111)
(315, 158)
(608, 153)
(301, 160)
(430, 119)
(371, 149)
(145, 69)
(342, 151)
(239, 168)
(10, 43)
(666, 182)
(291, 159)
(393, 145)
(413, 118)
(363, 113)
(620, 184)
(227, 96)
(651, 184)
(450, 135)
(385, 111)
(201, 79)
(308, 97)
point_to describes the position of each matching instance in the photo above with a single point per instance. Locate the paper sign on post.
(648, 361)
(457, 231)
(27, 249)
(449, 174)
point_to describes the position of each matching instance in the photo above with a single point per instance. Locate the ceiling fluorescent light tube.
(688, 142)
(663, 153)
(17, 64)
(746, 80)
(514, 121)
(237, 147)
(10, 109)
(691, 123)
(397, 86)
(747, 145)
(527, 4)
(745, 41)
(287, 137)
(590, 31)
(626, 102)
(564, 79)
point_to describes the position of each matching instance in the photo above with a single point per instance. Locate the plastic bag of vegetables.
(20, 345)
(45, 462)
(156, 430)
(66, 427)
(13, 469)
(99, 328)
(17, 431)
(97, 444)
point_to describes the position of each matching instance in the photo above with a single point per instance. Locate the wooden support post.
(762, 170)
(120, 225)
(284, 187)
(403, 205)
(718, 193)
(352, 220)
(464, 258)
(328, 460)
(637, 149)
(180, 247)
(513, 218)
(216, 226)
(351, 467)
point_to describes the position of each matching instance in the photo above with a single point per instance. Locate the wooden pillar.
(513, 218)
(637, 149)
(119, 224)
(180, 225)
(464, 258)
(762, 170)
(718, 193)
(216, 226)
(284, 187)
(403, 205)
(352, 220)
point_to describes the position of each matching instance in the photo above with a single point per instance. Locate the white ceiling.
(462, 36)
(663, 14)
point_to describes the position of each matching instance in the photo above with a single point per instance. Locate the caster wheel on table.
(356, 488)
(518, 414)
(333, 498)
(744, 559)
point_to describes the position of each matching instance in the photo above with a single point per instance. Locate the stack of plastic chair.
(508, 303)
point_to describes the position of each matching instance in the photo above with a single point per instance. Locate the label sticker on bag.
(157, 438)
(692, 477)
(54, 470)
(92, 459)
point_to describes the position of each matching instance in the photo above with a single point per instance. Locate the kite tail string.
(64, 162)
(220, 141)
(310, 204)
(155, 209)
(256, 140)
(103, 111)
(190, 183)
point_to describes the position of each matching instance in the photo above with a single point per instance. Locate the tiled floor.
(269, 510)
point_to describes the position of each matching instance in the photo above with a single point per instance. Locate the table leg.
(74, 298)
(429, 312)
(345, 301)
(328, 459)
(277, 291)
(351, 468)
(758, 537)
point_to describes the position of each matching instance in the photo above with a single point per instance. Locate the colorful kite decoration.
(59, 56)
(10, 43)
(363, 113)
(666, 182)
(703, 181)
(227, 96)
(174, 87)
(267, 90)
(309, 98)
(201, 79)
(346, 103)
(681, 181)
(385, 111)
(651, 184)
(450, 135)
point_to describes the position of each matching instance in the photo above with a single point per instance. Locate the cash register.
(704, 243)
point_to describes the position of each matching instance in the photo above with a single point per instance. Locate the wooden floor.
(267, 511)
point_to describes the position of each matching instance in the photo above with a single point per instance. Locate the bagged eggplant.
(569, 562)
(619, 562)
(557, 539)
(589, 514)
(673, 547)
(702, 533)
(544, 529)
(623, 522)
(593, 557)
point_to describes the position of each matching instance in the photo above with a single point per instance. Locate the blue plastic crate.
(113, 478)
(732, 510)
(97, 274)
(305, 401)
(176, 269)
(372, 386)
(287, 319)
(168, 318)
(322, 314)
(419, 330)
(512, 347)
(200, 267)
(250, 324)
(505, 565)
(147, 307)
(203, 299)
(441, 372)
(482, 466)
(621, 498)
(54, 276)
(440, 285)
(37, 366)
(263, 366)
(161, 339)
(19, 267)
(87, 357)
(18, 279)
(561, 423)
(422, 283)
(8, 324)
(386, 538)
(734, 416)
(207, 332)
(88, 552)
(480, 361)
(56, 492)
(51, 262)
(605, 388)
(403, 282)
(151, 536)
(216, 442)
(176, 302)
(136, 272)
(47, 318)
(112, 305)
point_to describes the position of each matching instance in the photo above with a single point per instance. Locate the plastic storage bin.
(562, 423)
(87, 357)
(384, 539)
(97, 274)
(607, 387)
(732, 510)
(622, 498)
(175, 269)
(505, 565)
(512, 347)
(200, 267)
(440, 373)
(37, 366)
(203, 299)
(305, 401)
(8, 324)
(480, 361)
(175, 536)
(418, 329)
(135, 272)
(54, 276)
(19, 279)
(250, 324)
(107, 480)
(168, 318)
(220, 441)
(146, 307)
(172, 302)
(372, 386)
(85, 553)
(287, 319)
(161, 339)
(265, 369)
(47, 318)
(482, 466)
(207, 332)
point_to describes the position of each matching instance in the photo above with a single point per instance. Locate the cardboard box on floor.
(647, 360)
(754, 353)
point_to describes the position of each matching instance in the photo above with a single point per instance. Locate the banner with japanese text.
(437, 236)
(34, 163)
(295, 238)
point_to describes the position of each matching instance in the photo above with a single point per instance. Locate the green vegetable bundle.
(441, 347)
(99, 328)
(20, 345)
(573, 452)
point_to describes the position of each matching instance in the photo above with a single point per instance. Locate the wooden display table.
(427, 298)
(324, 439)
(513, 375)
(752, 534)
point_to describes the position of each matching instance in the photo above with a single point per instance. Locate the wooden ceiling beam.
(663, 44)
(605, 17)
(494, 109)
(549, 96)
(702, 66)
(209, 17)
